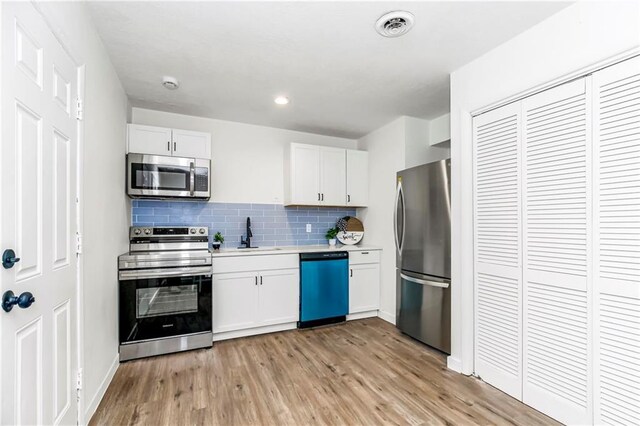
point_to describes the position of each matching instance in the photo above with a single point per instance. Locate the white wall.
(106, 211)
(572, 40)
(386, 156)
(399, 145)
(247, 160)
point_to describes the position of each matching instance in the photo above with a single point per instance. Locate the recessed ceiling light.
(394, 24)
(281, 100)
(170, 83)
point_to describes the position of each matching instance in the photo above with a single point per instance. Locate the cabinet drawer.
(364, 256)
(255, 263)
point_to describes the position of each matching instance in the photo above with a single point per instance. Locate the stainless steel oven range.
(165, 291)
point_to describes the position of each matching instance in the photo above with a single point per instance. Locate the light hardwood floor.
(363, 372)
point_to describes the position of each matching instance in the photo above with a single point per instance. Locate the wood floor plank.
(360, 373)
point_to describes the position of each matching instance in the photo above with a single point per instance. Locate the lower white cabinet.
(251, 299)
(364, 288)
(364, 282)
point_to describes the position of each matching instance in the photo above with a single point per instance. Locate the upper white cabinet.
(321, 176)
(333, 176)
(171, 142)
(357, 178)
(187, 143)
(148, 139)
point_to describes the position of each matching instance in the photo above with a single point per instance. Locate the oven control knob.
(136, 231)
(192, 230)
(147, 231)
(201, 230)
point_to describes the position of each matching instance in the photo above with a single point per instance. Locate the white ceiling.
(343, 79)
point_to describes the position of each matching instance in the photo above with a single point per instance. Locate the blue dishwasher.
(324, 288)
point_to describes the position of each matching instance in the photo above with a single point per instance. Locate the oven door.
(160, 176)
(164, 303)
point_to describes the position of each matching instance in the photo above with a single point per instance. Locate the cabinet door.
(186, 143)
(556, 181)
(617, 243)
(498, 235)
(148, 140)
(305, 175)
(235, 301)
(333, 177)
(279, 299)
(357, 178)
(364, 288)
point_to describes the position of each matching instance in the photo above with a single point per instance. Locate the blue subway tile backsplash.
(272, 224)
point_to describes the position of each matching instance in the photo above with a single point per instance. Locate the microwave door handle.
(192, 178)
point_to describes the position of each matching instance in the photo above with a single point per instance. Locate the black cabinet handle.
(174, 146)
(348, 198)
(318, 196)
(260, 279)
(351, 272)
(323, 197)
(256, 277)
(168, 145)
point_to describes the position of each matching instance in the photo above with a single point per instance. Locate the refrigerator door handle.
(399, 238)
(425, 282)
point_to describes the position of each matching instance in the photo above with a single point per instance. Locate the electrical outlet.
(308, 227)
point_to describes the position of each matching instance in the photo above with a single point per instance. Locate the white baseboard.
(362, 315)
(253, 331)
(454, 364)
(95, 401)
(387, 317)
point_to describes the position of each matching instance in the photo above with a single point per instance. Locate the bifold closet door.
(556, 255)
(617, 243)
(497, 251)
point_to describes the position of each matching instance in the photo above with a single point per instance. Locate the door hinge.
(79, 109)
(78, 243)
(79, 380)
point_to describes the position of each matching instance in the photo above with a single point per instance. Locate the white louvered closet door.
(498, 268)
(616, 114)
(556, 255)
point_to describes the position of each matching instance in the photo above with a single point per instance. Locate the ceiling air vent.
(394, 24)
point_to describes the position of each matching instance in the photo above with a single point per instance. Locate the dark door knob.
(9, 259)
(9, 300)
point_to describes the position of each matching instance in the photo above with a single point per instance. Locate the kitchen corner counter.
(261, 251)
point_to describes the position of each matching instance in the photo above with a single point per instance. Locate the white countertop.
(289, 250)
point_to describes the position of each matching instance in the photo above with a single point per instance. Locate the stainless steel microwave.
(161, 177)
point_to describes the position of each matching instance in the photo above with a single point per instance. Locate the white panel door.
(305, 174)
(557, 219)
(187, 143)
(333, 177)
(364, 288)
(149, 140)
(38, 221)
(235, 301)
(616, 92)
(279, 299)
(357, 178)
(498, 267)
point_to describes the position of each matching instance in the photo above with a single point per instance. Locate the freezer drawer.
(424, 309)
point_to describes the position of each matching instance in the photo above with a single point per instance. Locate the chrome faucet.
(247, 243)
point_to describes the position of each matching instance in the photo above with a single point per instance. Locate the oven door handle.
(140, 274)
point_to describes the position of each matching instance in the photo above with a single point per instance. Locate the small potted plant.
(331, 236)
(218, 239)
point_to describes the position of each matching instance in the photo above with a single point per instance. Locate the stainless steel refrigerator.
(423, 253)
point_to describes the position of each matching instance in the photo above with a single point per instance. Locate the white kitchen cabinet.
(364, 282)
(187, 143)
(320, 176)
(148, 140)
(303, 172)
(333, 177)
(278, 300)
(254, 299)
(154, 140)
(364, 288)
(235, 301)
(357, 178)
